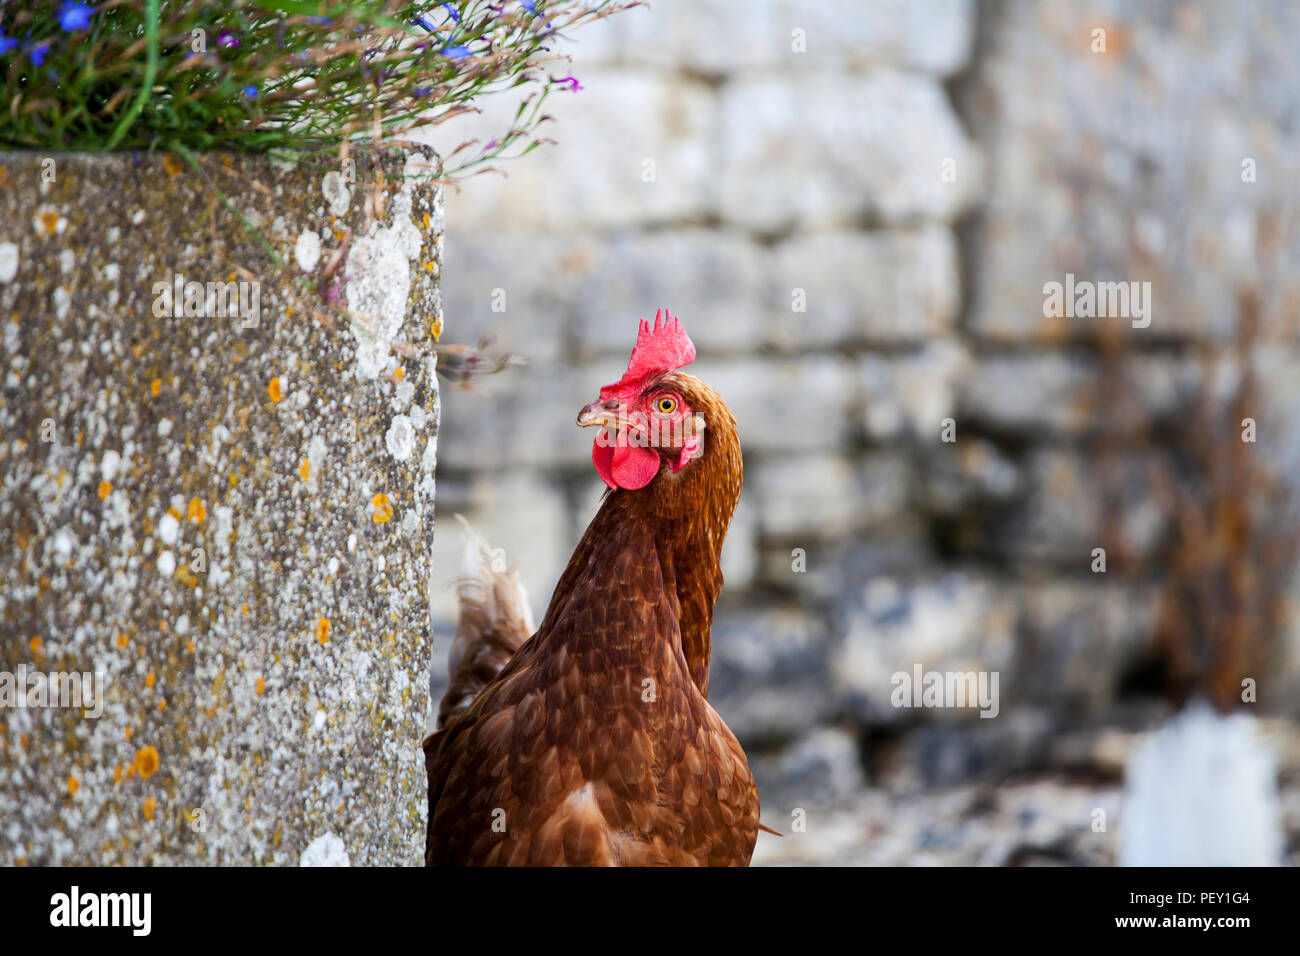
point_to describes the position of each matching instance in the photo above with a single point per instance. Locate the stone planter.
(223, 519)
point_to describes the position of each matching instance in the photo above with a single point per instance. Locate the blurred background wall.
(854, 207)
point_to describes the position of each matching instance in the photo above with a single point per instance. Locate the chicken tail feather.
(493, 620)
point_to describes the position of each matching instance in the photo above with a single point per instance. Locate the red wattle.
(625, 466)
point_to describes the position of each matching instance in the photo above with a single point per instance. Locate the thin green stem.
(150, 70)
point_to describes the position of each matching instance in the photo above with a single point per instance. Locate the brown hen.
(595, 743)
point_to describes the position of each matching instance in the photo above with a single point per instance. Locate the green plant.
(276, 75)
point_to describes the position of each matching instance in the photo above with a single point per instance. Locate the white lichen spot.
(169, 528)
(307, 250)
(67, 260)
(182, 625)
(403, 394)
(379, 272)
(167, 564)
(352, 544)
(164, 427)
(137, 217)
(109, 464)
(62, 302)
(64, 542)
(318, 721)
(400, 438)
(325, 850)
(336, 191)
(8, 261)
(430, 459)
(333, 566)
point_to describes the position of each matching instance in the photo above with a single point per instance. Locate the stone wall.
(219, 512)
(855, 208)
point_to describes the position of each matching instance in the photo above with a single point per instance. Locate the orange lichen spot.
(162, 624)
(244, 608)
(49, 219)
(117, 773)
(399, 373)
(162, 704)
(128, 731)
(304, 470)
(260, 687)
(174, 513)
(233, 479)
(171, 164)
(428, 266)
(150, 806)
(104, 490)
(196, 511)
(383, 508)
(273, 389)
(35, 644)
(23, 740)
(122, 639)
(149, 679)
(288, 310)
(323, 630)
(426, 220)
(435, 329)
(146, 761)
(73, 786)
(155, 387)
(191, 647)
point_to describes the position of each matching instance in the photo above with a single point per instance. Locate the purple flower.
(39, 52)
(456, 52)
(74, 16)
(250, 91)
(6, 44)
(227, 39)
(574, 85)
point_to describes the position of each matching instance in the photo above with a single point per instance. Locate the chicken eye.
(666, 406)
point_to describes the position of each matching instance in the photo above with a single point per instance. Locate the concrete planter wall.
(226, 517)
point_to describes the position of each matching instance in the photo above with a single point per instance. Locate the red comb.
(662, 348)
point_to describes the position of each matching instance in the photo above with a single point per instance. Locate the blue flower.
(6, 44)
(38, 53)
(455, 14)
(422, 21)
(250, 91)
(529, 5)
(456, 52)
(74, 16)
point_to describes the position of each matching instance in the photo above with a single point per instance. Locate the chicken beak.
(599, 414)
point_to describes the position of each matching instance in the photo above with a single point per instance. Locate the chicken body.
(596, 744)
